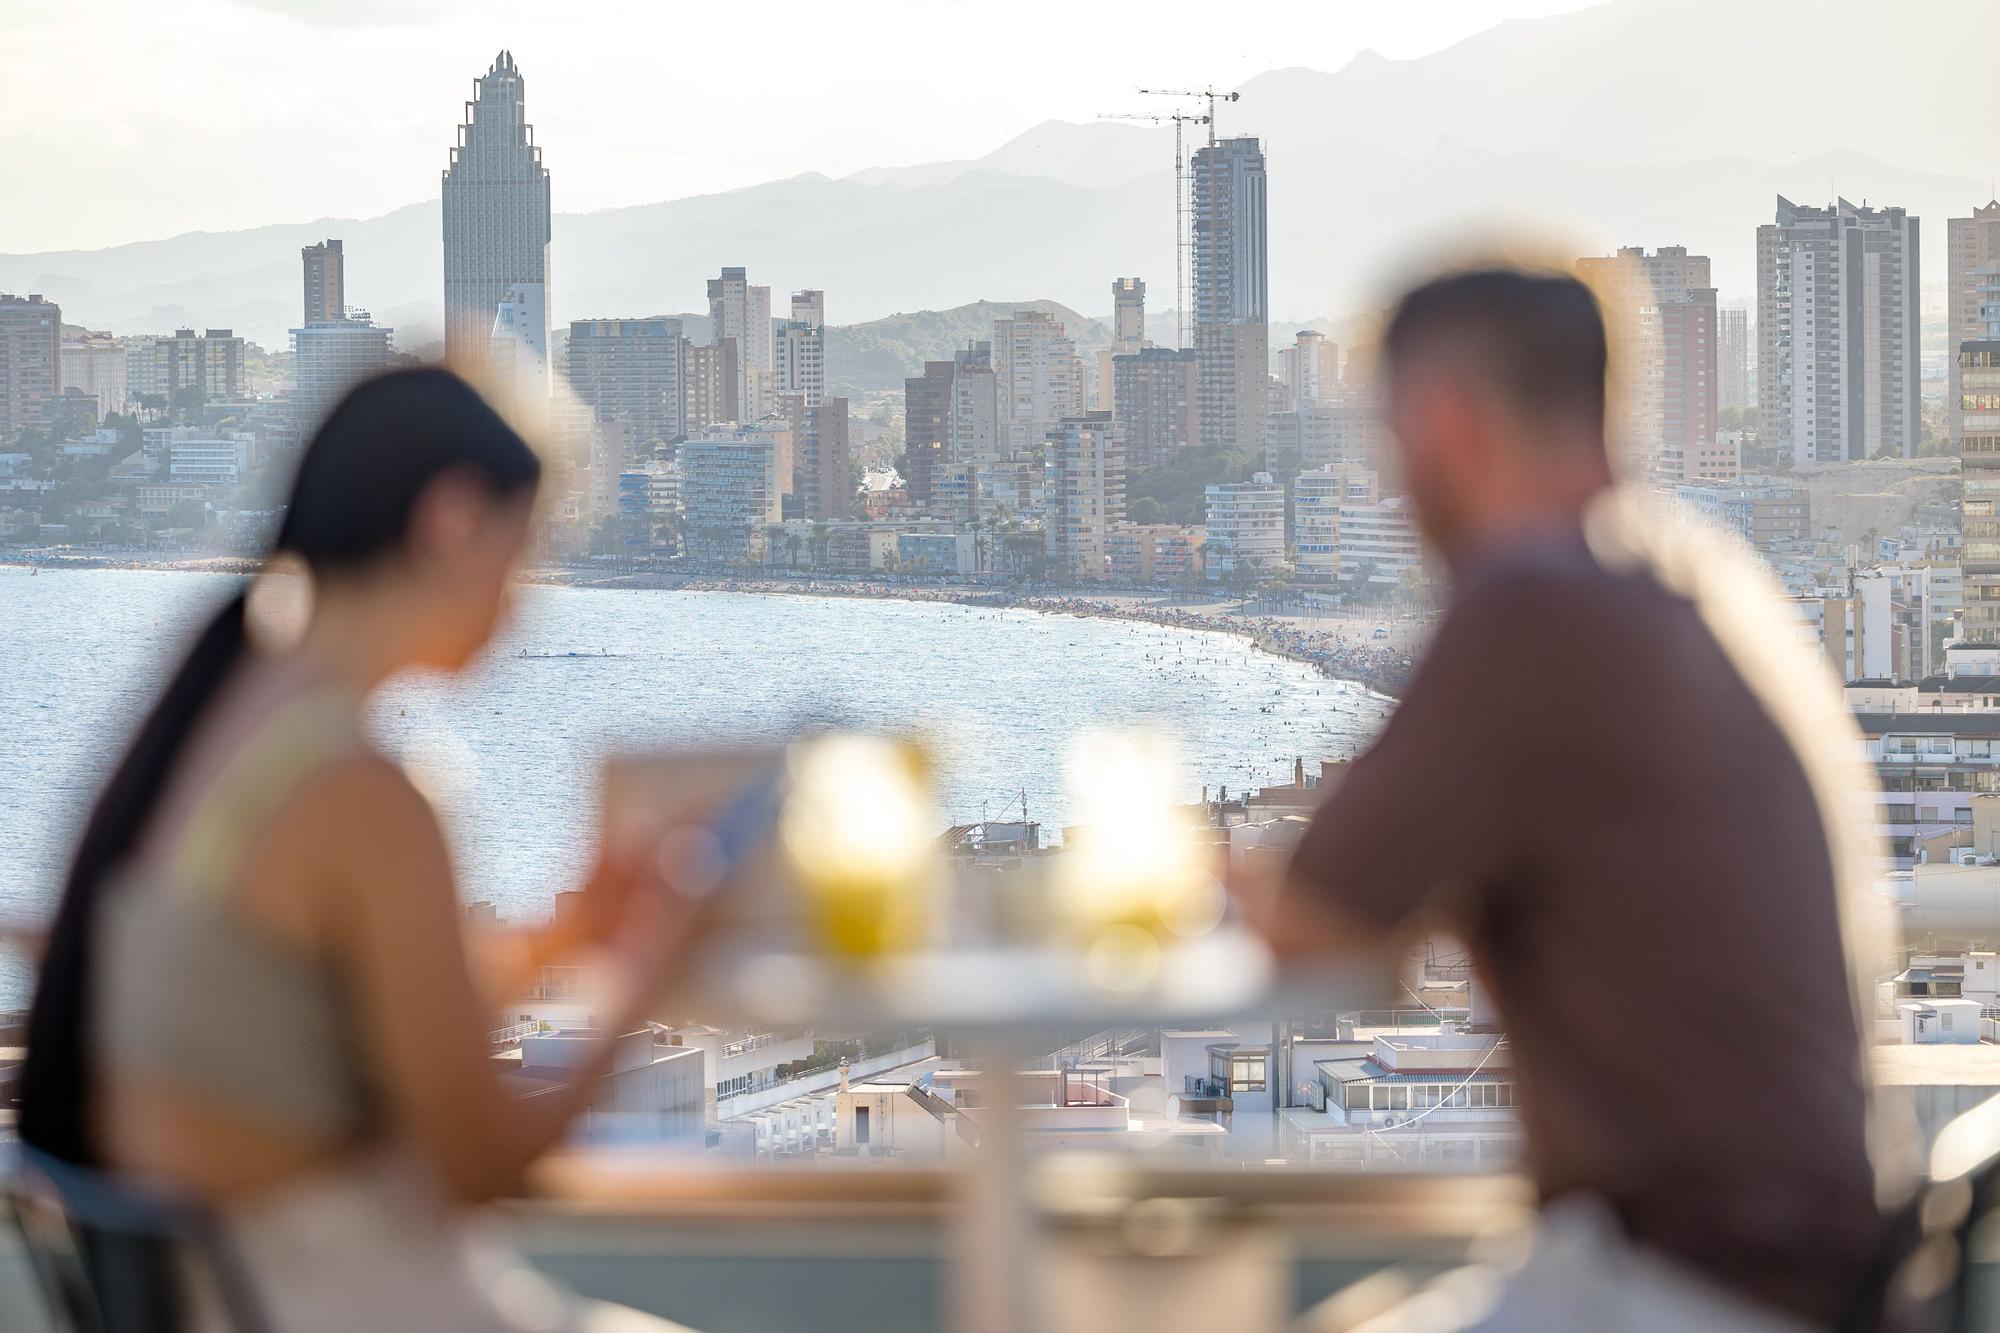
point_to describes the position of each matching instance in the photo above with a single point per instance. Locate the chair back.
(1939, 1262)
(108, 1251)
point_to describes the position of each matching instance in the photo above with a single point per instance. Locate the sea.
(510, 749)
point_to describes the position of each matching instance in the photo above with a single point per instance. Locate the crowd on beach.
(1346, 648)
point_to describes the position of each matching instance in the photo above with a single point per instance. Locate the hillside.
(1864, 500)
(881, 353)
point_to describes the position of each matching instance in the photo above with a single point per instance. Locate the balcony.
(833, 1250)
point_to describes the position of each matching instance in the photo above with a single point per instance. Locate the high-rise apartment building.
(95, 363)
(977, 411)
(1128, 336)
(926, 427)
(209, 363)
(1978, 410)
(740, 311)
(799, 349)
(632, 370)
(731, 492)
(1155, 398)
(1838, 325)
(1732, 359)
(1039, 378)
(1128, 315)
(1311, 368)
(496, 211)
(1085, 496)
(30, 360)
(331, 356)
(713, 385)
(1231, 305)
(1972, 298)
(325, 282)
(1661, 309)
(822, 469)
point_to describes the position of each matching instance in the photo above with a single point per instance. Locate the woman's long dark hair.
(361, 476)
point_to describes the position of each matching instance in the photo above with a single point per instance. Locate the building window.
(1246, 1073)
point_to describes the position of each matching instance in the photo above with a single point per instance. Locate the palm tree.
(793, 542)
(822, 539)
(975, 524)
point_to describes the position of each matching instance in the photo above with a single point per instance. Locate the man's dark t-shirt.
(1582, 784)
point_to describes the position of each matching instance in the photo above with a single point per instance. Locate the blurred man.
(1611, 776)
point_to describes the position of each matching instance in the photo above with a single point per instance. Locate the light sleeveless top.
(191, 993)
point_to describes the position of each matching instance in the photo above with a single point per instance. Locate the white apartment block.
(195, 459)
(1318, 497)
(1379, 542)
(1245, 526)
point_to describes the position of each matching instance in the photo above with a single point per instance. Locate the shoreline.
(1318, 641)
(1340, 647)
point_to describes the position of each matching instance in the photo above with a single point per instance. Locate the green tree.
(1179, 483)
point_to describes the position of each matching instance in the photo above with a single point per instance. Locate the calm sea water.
(512, 747)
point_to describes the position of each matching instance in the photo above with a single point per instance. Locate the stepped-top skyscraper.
(1232, 336)
(496, 211)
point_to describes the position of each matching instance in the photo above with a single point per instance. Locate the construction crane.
(1208, 95)
(1183, 234)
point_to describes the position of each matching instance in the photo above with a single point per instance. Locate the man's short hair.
(1535, 338)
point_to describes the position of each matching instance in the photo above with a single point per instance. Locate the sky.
(124, 120)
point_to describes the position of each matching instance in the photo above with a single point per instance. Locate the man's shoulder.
(1556, 582)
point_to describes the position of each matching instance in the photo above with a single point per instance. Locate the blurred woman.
(257, 991)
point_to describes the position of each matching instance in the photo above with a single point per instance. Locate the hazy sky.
(126, 120)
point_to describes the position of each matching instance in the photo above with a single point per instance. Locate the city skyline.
(371, 141)
(1064, 200)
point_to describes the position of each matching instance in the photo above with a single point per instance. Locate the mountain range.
(1632, 122)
